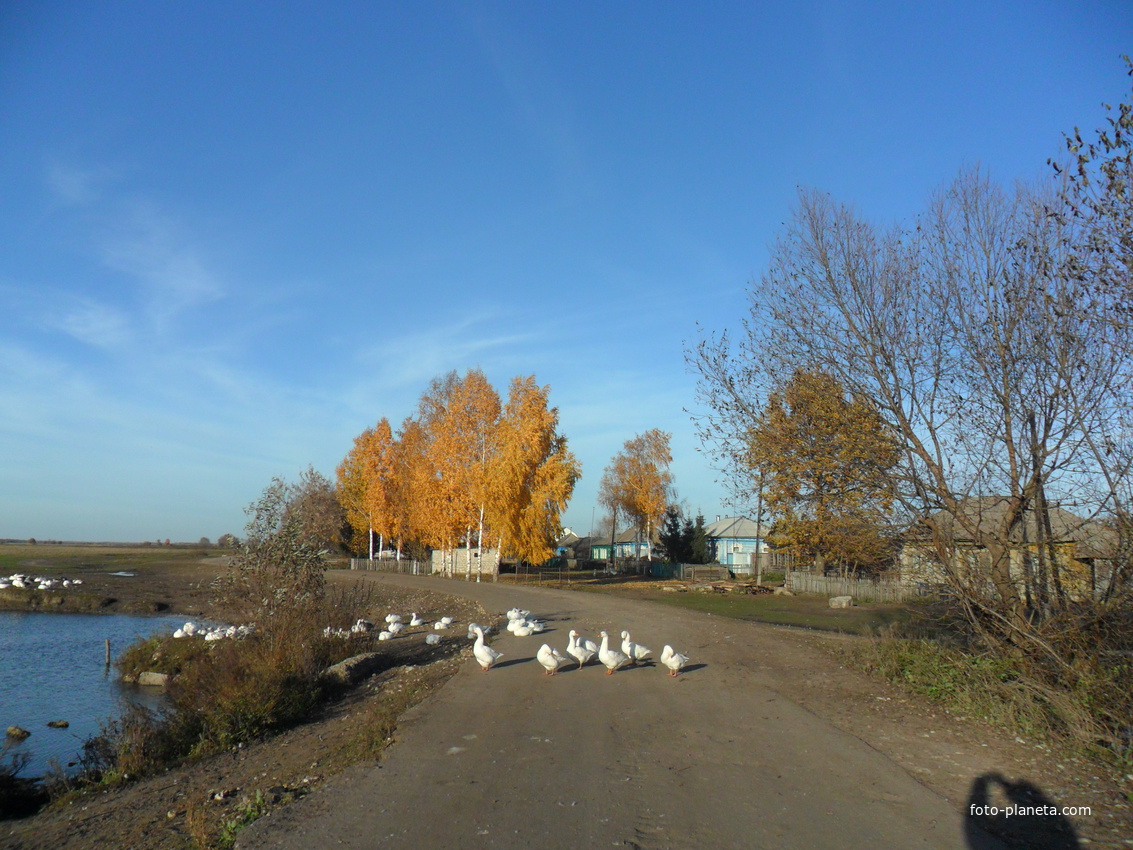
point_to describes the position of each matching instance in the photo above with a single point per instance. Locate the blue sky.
(233, 235)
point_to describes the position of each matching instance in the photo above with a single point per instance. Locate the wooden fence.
(703, 572)
(863, 589)
(392, 565)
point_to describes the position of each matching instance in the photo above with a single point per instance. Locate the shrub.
(19, 797)
(1074, 683)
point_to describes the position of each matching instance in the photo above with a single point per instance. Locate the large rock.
(354, 670)
(158, 680)
(18, 733)
(841, 602)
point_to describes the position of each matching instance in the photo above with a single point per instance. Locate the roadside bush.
(1073, 683)
(159, 654)
(227, 692)
(19, 797)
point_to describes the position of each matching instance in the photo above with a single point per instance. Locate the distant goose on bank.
(432, 639)
(415, 620)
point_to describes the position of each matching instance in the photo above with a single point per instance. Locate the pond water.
(53, 667)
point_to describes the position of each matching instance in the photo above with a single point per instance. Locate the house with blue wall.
(734, 541)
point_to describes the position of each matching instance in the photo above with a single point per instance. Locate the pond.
(53, 667)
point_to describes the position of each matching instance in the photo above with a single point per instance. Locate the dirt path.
(719, 757)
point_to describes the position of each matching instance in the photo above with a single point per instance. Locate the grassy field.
(51, 559)
(812, 612)
(75, 560)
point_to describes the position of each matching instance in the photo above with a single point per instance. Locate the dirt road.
(717, 758)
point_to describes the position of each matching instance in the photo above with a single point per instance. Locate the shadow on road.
(513, 661)
(1016, 813)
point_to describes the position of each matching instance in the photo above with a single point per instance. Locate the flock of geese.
(578, 649)
(213, 633)
(26, 582)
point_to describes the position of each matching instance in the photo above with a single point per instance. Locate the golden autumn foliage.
(465, 470)
(825, 459)
(532, 476)
(637, 481)
(369, 487)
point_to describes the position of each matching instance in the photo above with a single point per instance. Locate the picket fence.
(867, 590)
(392, 565)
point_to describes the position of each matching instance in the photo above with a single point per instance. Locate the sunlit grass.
(47, 559)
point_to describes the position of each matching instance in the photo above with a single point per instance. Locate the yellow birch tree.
(826, 459)
(533, 475)
(637, 481)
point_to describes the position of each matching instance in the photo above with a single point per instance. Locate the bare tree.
(313, 502)
(989, 362)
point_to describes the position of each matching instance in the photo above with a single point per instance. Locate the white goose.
(634, 651)
(613, 659)
(673, 660)
(581, 649)
(485, 655)
(415, 620)
(551, 659)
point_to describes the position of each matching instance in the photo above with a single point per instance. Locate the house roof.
(987, 513)
(731, 527)
(629, 535)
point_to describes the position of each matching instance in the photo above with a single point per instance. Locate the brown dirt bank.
(193, 805)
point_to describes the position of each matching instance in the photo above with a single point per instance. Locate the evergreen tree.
(676, 537)
(698, 543)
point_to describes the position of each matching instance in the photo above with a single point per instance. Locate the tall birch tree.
(637, 481)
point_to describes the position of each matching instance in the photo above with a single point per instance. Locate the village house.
(734, 542)
(1084, 548)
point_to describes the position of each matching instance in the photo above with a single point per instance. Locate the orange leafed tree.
(369, 487)
(352, 479)
(638, 482)
(533, 475)
(465, 469)
(826, 457)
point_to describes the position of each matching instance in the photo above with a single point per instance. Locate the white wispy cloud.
(415, 358)
(72, 185)
(93, 323)
(161, 259)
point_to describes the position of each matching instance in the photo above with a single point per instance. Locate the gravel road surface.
(714, 758)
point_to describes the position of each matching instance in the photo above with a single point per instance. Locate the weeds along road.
(714, 758)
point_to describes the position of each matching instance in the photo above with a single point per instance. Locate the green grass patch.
(810, 612)
(807, 612)
(971, 686)
(54, 559)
